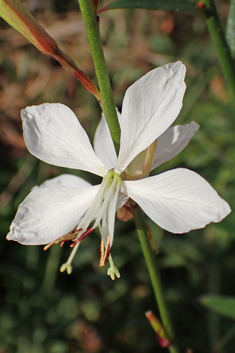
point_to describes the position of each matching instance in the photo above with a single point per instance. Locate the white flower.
(68, 208)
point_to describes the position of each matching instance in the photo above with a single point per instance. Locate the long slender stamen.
(106, 218)
(105, 203)
(69, 236)
(102, 210)
(92, 211)
(112, 210)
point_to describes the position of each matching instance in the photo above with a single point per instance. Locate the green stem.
(229, 335)
(51, 269)
(230, 30)
(154, 276)
(219, 40)
(91, 23)
(213, 289)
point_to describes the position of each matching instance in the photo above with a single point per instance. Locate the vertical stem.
(154, 276)
(51, 269)
(91, 23)
(230, 30)
(213, 289)
(219, 40)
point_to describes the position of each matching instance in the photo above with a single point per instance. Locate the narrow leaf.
(221, 305)
(163, 5)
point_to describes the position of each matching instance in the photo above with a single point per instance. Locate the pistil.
(113, 271)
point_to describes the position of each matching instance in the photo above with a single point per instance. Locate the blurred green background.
(42, 310)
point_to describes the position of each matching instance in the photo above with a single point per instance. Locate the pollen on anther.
(46, 247)
(88, 231)
(104, 251)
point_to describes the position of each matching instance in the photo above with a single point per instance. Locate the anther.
(104, 251)
(46, 247)
(88, 231)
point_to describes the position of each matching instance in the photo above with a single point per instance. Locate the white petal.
(178, 200)
(173, 141)
(122, 199)
(47, 213)
(53, 134)
(149, 107)
(67, 180)
(103, 143)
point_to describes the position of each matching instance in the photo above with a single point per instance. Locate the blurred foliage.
(230, 29)
(220, 304)
(164, 5)
(43, 310)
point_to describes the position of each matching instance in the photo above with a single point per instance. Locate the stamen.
(96, 204)
(112, 210)
(102, 214)
(106, 201)
(69, 236)
(46, 247)
(104, 251)
(88, 231)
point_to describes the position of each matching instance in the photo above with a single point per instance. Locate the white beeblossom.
(68, 208)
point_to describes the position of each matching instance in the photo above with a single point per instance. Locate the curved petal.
(149, 107)
(103, 143)
(172, 142)
(122, 199)
(178, 200)
(53, 134)
(67, 180)
(47, 213)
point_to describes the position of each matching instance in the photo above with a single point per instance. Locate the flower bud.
(157, 326)
(13, 12)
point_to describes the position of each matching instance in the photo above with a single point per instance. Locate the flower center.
(102, 214)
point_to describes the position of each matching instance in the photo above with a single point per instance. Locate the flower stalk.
(13, 12)
(220, 43)
(154, 276)
(91, 22)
